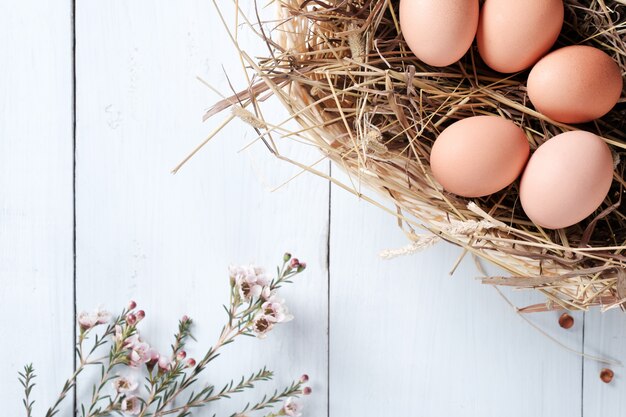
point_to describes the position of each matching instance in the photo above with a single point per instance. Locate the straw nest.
(345, 74)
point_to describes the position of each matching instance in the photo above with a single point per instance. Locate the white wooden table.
(89, 215)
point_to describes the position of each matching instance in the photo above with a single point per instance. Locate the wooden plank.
(407, 336)
(605, 334)
(168, 240)
(36, 152)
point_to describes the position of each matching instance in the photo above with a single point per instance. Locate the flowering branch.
(87, 321)
(118, 355)
(253, 310)
(204, 397)
(26, 379)
(290, 408)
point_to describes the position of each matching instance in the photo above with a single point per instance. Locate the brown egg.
(575, 84)
(566, 179)
(479, 155)
(439, 32)
(513, 34)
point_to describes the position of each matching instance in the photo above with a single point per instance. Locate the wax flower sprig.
(171, 379)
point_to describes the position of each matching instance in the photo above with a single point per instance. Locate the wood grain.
(407, 338)
(165, 239)
(36, 299)
(605, 334)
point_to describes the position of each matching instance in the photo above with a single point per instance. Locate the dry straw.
(344, 73)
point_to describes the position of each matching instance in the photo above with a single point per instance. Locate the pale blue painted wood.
(36, 279)
(605, 334)
(165, 239)
(408, 339)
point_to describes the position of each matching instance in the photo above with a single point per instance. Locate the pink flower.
(132, 304)
(276, 310)
(251, 281)
(165, 364)
(181, 355)
(307, 391)
(131, 405)
(124, 385)
(140, 315)
(266, 293)
(262, 325)
(131, 341)
(154, 355)
(118, 337)
(140, 353)
(292, 408)
(154, 359)
(304, 379)
(191, 362)
(88, 320)
(102, 316)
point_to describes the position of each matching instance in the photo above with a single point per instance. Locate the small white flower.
(131, 405)
(140, 354)
(165, 363)
(235, 270)
(292, 408)
(102, 315)
(266, 293)
(262, 325)
(87, 320)
(276, 310)
(124, 385)
(154, 356)
(118, 337)
(258, 270)
(251, 281)
(132, 341)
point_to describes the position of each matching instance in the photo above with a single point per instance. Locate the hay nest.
(345, 74)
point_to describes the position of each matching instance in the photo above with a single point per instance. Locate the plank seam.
(582, 370)
(330, 173)
(73, 24)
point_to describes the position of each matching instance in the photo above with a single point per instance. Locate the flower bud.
(140, 315)
(191, 362)
(184, 319)
(566, 321)
(304, 379)
(606, 375)
(302, 266)
(131, 319)
(132, 304)
(307, 391)
(295, 263)
(165, 365)
(181, 355)
(286, 257)
(154, 359)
